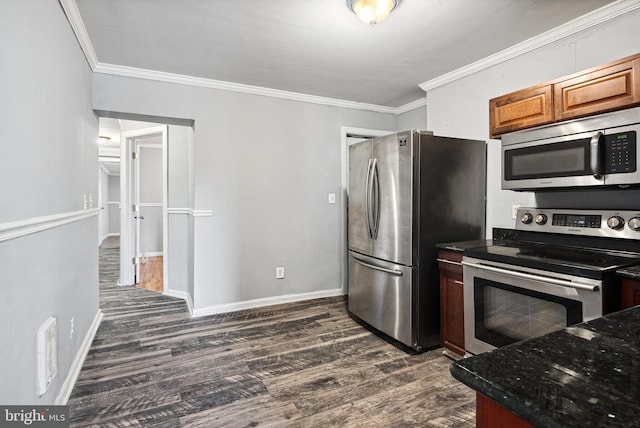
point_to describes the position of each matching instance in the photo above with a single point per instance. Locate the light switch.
(332, 198)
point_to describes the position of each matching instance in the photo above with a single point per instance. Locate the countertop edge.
(495, 393)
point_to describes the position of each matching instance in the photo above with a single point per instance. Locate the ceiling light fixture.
(372, 11)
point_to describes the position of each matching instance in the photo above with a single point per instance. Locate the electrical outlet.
(71, 328)
(280, 272)
(514, 211)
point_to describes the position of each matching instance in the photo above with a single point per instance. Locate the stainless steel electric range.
(555, 269)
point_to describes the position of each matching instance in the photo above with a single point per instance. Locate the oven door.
(504, 304)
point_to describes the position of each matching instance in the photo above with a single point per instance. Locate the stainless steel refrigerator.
(407, 192)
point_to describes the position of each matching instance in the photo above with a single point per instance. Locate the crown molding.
(181, 79)
(581, 23)
(421, 102)
(73, 15)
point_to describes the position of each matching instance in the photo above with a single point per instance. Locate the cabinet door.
(451, 302)
(630, 295)
(606, 88)
(521, 109)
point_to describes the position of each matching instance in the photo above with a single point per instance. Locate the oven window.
(505, 314)
(564, 159)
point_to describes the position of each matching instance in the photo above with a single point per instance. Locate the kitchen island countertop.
(584, 375)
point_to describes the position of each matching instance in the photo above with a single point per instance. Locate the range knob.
(634, 223)
(541, 219)
(615, 222)
(527, 218)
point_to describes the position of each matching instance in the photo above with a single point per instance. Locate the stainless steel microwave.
(590, 152)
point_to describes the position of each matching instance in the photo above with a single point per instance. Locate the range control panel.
(612, 224)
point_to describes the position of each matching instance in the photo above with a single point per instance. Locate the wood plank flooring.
(305, 364)
(151, 274)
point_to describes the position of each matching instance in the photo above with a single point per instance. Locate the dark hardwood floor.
(305, 364)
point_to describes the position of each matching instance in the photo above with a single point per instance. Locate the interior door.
(135, 206)
(359, 166)
(394, 171)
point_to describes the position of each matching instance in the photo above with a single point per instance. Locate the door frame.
(127, 230)
(345, 133)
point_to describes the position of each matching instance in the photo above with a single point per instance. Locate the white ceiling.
(317, 47)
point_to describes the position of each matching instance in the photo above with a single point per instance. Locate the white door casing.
(129, 182)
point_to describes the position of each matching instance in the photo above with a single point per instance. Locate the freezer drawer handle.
(389, 271)
(533, 277)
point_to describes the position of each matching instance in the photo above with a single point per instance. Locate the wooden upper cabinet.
(610, 87)
(521, 109)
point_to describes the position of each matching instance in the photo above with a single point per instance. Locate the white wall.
(461, 108)
(103, 178)
(48, 161)
(413, 119)
(265, 167)
(180, 195)
(114, 205)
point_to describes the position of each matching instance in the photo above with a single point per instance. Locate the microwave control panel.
(620, 152)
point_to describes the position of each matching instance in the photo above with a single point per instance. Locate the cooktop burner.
(587, 263)
(577, 242)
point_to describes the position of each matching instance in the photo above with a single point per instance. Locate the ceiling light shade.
(372, 11)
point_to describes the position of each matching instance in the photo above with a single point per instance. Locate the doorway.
(143, 217)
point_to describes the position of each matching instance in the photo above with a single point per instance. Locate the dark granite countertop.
(632, 272)
(459, 247)
(581, 376)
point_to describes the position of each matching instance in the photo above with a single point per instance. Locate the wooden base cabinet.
(630, 294)
(490, 414)
(451, 301)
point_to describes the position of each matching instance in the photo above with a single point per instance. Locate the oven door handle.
(534, 277)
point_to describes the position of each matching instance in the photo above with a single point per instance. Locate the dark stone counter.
(632, 272)
(584, 375)
(459, 247)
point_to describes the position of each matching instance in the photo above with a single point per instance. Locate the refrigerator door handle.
(385, 270)
(375, 191)
(367, 198)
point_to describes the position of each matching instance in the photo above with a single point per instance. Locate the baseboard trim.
(22, 228)
(267, 301)
(78, 361)
(181, 295)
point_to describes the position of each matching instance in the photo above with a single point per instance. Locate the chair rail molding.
(26, 227)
